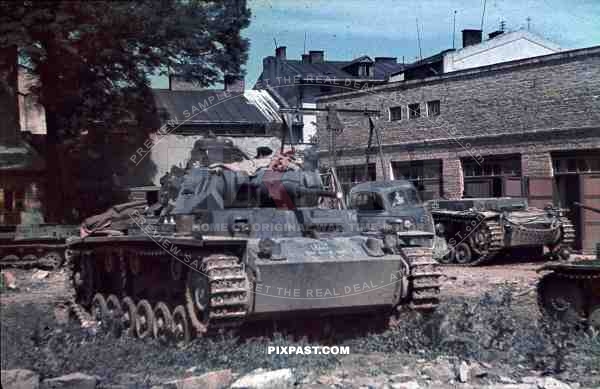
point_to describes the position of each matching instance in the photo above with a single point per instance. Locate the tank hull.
(571, 292)
(477, 230)
(34, 245)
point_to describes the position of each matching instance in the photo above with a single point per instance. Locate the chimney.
(305, 58)
(280, 52)
(234, 83)
(471, 37)
(316, 56)
(390, 60)
(494, 34)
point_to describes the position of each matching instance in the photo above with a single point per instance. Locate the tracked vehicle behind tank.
(245, 245)
(30, 245)
(571, 291)
(477, 230)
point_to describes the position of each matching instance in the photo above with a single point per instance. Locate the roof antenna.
(304, 42)
(419, 39)
(483, 14)
(454, 29)
(275, 41)
(528, 23)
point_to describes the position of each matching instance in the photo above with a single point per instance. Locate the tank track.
(567, 237)
(565, 275)
(424, 279)
(228, 298)
(495, 237)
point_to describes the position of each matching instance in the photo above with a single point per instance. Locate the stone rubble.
(19, 379)
(263, 379)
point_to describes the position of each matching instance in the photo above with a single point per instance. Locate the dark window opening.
(350, 175)
(489, 178)
(414, 111)
(395, 113)
(426, 176)
(433, 108)
(366, 202)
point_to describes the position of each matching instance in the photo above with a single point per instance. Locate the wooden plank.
(590, 220)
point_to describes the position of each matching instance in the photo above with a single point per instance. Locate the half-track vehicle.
(477, 230)
(242, 240)
(39, 245)
(571, 291)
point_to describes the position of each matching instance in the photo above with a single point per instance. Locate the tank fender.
(402, 290)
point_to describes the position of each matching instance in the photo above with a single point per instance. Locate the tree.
(93, 59)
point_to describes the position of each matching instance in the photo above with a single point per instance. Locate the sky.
(346, 29)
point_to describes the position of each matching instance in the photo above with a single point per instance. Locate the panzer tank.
(242, 241)
(34, 245)
(571, 291)
(477, 230)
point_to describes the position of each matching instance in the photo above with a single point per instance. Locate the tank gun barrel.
(586, 207)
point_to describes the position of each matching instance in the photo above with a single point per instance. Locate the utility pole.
(454, 29)
(419, 39)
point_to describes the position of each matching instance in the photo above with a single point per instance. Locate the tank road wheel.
(128, 315)
(51, 260)
(163, 322)
(198, 299)
(463, 254)
(561, 298)
(99, 308)
(144, 319)
(181, 326)
(114, 307)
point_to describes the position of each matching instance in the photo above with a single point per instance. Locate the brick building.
(528, 127)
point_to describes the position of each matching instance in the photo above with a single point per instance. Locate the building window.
(414, 111)
(426, 176)
(433, 108)
(350, 175)
(395, 113)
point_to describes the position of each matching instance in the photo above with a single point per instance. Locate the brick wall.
(530, 107)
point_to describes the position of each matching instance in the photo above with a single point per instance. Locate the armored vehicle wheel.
(181, 326)
(561, 298)
(52, 260)
(114, 307)
(128, 315)
(10, 259)
(163, 322)
(99, 308)
(144, 319)
(463, 254)
(29, 259)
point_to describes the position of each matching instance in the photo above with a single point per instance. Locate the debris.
(551, 383)
(442, 371)
(70, 381)
(405, 385)
(19, 379)
(39, 275)
(261, 379)
(220, 379)
(463, 372)
(9, 280)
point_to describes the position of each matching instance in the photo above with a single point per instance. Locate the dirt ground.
(36, 335)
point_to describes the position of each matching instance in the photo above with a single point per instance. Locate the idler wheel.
(462, 253)
(163, 322)
(198, 300)
(181, 326)
(144, 319)
(128, 315)
(99, 308)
